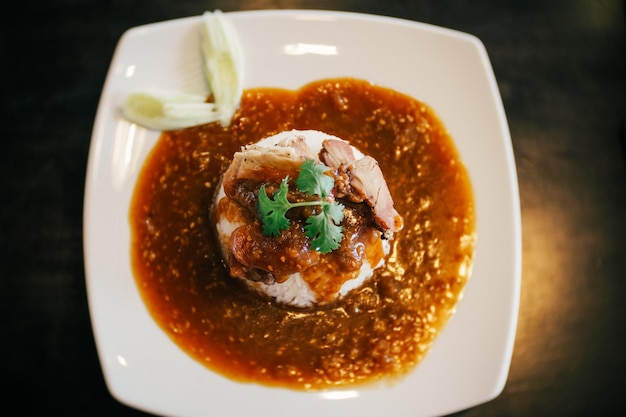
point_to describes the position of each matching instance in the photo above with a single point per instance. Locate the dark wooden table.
(560, 68)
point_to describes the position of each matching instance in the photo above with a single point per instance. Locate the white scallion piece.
(223, 67)
(224, 63)
(165, 110)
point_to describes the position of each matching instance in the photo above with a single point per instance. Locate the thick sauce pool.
(379, 332)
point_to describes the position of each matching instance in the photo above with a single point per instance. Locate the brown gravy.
(382, 330)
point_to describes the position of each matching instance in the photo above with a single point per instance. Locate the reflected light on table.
(549, 285)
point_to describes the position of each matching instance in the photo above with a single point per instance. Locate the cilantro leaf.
(323, 228)
(312, 179)
(273, 211)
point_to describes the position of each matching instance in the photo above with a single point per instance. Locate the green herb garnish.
(323, 227)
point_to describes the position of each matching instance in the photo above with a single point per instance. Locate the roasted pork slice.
(366, 178)
(267, 163)
(362, 180)
(336, 153)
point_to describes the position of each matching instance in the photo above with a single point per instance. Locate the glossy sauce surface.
(380, 331)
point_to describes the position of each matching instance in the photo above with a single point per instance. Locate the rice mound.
(294, 291)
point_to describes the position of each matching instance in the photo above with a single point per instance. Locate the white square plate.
(448, 70)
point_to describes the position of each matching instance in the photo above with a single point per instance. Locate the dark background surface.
(560, 68)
